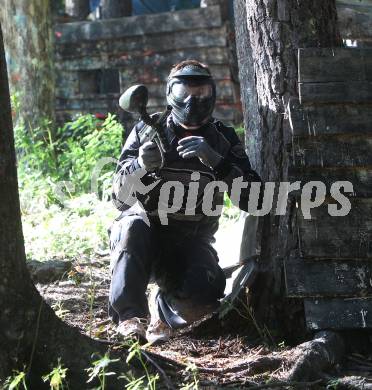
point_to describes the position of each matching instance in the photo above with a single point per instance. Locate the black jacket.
(222, 138)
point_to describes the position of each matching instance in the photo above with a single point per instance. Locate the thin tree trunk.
(31, 334)
(277, 28)
(28, 44)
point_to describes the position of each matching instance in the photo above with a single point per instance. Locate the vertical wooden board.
(330, 119)
(338, 313)
(326, 236)
(334, 64)
(328, 278)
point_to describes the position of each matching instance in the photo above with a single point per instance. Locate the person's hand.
(195, 146)
(149, 156)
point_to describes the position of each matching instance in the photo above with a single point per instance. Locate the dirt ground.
(222, 360)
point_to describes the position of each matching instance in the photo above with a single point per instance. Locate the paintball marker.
(134, 100)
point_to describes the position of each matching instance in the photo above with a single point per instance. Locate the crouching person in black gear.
(175, 249)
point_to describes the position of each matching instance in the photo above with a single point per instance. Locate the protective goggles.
(182, 90)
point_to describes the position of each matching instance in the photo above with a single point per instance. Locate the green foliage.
(192, 373)
(16, 382)
(61, 218)
(82, 144)
(77, 229)
(57, 377)
(59, 310)
(230, 213)
(145, 382)
(240, 131)
(45, 159)
(99, 370)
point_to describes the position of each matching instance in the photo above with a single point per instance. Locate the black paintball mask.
(191, 92)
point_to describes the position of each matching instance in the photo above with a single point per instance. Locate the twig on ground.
(167, 381)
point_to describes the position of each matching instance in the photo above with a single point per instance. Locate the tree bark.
(315, 356)
(247, 85)
(116, 8)
(28, 43)
(31, 334)
(78, 9)
(276, 29)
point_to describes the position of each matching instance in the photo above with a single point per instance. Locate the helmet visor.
(183, 90)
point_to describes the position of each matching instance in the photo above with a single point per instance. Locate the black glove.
(149, 156)
(195, 146)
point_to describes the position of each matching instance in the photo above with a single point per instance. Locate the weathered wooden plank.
(151, 74)
(326, 236)
(156, 96)
(337, 64)
(333, 151)
(226, 113)
(98, 103)
(328, 278)
(139, 25)
(212, 56)
(361, 178)
(355, 21)
(214, 37)
(330, 119)
(225, 94)
(337, 92)
(338, 313)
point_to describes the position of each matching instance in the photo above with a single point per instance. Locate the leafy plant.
(192, 375)
(83, 143)
(99, 370)
(145, 382)
(16, 382)
(77, 229)
(51, 161)
(57, 377)
(59, 310)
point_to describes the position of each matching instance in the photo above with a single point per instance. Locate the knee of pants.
(203, 284)
(128, 234)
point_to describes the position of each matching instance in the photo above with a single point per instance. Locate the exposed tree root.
(350, 383)
(321, 353)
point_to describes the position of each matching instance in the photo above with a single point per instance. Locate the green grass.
(78, 229)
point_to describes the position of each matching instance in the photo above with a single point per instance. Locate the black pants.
(185, 266)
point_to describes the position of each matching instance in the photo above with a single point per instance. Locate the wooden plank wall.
(143, 49)
(332, 141)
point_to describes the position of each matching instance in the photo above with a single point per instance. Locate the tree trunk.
(78, 9)
(276, 29)
(31, 334)
(247, 86)
(28, 43)
(116, 8)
